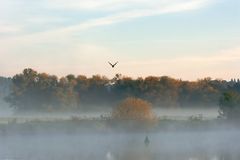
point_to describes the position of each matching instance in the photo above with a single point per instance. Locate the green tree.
(34, 91)
(229, 105)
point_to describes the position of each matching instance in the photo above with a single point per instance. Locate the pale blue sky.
(186, 39)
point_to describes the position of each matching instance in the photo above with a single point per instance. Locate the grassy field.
(103, 125)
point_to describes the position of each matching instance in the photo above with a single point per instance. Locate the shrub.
(133, 109)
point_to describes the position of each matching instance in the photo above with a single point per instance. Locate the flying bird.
(113, 65)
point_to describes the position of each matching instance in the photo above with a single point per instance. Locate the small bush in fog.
(75, 118)
(133, 109)
(196, 118)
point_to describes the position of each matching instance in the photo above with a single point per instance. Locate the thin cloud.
(45, 20)
(137, 13)
(5, 29)
(110, 5)
(163, 7)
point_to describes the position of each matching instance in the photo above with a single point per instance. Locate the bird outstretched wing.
(110, 63)
(115, 64)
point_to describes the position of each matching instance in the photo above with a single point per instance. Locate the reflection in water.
(109, 156)
(227, 156)
(146, 141)
(163, 146)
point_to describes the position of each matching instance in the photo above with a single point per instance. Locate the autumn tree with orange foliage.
(133, 109)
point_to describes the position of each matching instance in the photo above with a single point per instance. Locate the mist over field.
(46, 118)
(59, 141)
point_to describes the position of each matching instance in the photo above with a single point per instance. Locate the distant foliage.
(133, 109)
(229, 105)
(35, 91)
(5, 85)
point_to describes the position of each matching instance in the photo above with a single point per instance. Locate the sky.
(187, 39)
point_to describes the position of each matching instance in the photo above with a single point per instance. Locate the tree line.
(33, 91)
